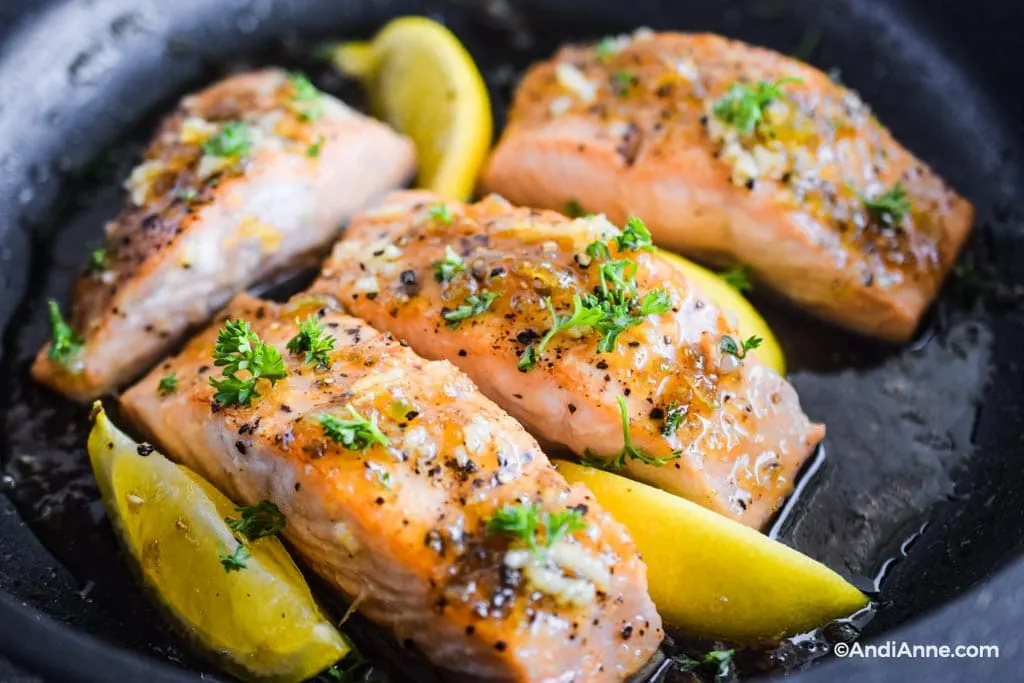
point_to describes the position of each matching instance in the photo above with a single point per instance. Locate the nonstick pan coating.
(924, 448)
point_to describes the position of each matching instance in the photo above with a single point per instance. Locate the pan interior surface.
(919, 496)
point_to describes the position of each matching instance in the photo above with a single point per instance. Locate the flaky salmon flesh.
(674, 398)
(735, 154)
(252, 176)
(403, 523)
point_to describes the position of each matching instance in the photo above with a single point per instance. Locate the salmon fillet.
(725, 432)
(736, 154)
(403, 528)
(250, 176)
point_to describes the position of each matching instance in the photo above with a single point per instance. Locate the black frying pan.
(921, 494)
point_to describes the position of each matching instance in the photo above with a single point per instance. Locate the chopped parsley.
(65, 343)
(717, 661)
(352, 669)
(523, 521)
(674, 416)
(573, 209)
(313, 151)
(635, 236)
(475, 305)
(356, 434)
(236, 561)
(730, 346)
(239, 349)
(614, 306)
(448, 267)
(99, 261)
(168, 384)
(582, 316)
(306, 97)
(629, 450)
(744, 104)
(623, 82)
(606, 48)
(233, 141)
(257, 521)
(738, 278)
(441, 213)
(312, 341)
(890, 207)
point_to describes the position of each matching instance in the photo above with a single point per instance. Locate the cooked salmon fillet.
(248, 177)
(405, 526)
(737, 154)
(479, 285)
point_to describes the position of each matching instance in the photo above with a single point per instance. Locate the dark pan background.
(924, 439)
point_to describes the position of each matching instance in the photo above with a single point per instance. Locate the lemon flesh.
(712, 577)
(729, 300)
(422, 81)
(260, 622)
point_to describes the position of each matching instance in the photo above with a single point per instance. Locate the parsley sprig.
(451, 265)
(168, 384)
(65, 343)
(355, 434)
(239, 349)
(99, 261)
(475, 305)
(236, 561)
(890, 207)
(738, 278)
(674, 416)
(743, 104)
(614, 306)
(313, 341)
(629, 449)
(718, 662)
(440, 212)
(306, 98)
(523, 521)
(233, 141)
(257, 521)
(730, 346)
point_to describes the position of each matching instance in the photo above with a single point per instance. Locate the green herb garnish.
(614, 307)
(257, 521)
(233, 141)
(236, 561)
(451, 265)
(573, 209)
(674, 416)
(717, 661)
(99, 261)
(313, 151)
(313, 341)
(168, 385)
(239, 349)
(730, 346)
(65, 343)
(623, 82)
(606, 48)
(635, 236)
(891, 207)
(356, 434)
(441, 213)
(475, 305)
(738, 278)
(306, 96)
(629, 450)
(744, 104)
(523, 521)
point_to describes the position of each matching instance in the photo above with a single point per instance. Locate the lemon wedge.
(728, 299)
(259, 619)
(712, 577)
(422, 81)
